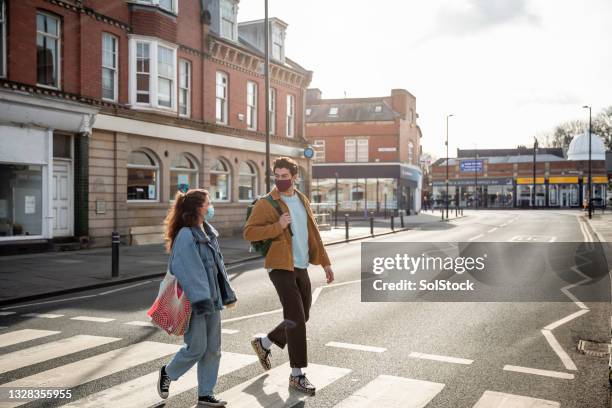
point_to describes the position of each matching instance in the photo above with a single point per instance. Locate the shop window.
(143, 177)
(220, 177)
(183, 174)
(21, 200)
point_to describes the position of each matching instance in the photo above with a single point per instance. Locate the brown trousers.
(294, 292)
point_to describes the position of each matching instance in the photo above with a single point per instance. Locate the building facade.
(367, 152)
(122, 103)
(504, 178)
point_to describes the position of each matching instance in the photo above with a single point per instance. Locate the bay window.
(153, 74)
(184, 88)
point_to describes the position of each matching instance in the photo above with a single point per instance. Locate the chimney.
(400, 101)
(313, 94)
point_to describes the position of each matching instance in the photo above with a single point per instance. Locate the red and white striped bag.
(171, 310)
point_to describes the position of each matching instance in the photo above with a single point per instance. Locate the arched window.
(143, 177)
(183, 174)
(220, 178)
(247, 182)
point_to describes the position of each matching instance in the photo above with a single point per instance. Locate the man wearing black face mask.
(296, 243)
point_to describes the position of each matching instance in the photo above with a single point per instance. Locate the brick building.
(107, 108)
(367, 149)
(503, 178)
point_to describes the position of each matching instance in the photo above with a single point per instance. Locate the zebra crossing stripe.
(387, 391)
(18, 336)
(493, 399)
(49, 351)
(93, 368)
(43, 315)
(92, 319)
(270, 389)
(140, 323)
(140, 392)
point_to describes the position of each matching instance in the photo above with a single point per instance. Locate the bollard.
(392, 222)
(442, 212)
(115, 254)
(346, 227)
(372, 224)
(402, 219)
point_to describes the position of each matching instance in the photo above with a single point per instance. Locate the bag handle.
(278, 209)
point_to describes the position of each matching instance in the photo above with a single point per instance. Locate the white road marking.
(49, 351)
(554, 344)
(270, 389)
(235, 319)
(49, 302)
(229, 331)
(140, 323)
(123, 288)
(20, 336)
(7, 313)
(315, 295)
(552, 239)
(493, 399)
(356, 347)
(492, 230)
(436, 357)
(566, 319)
(585, 233)
(227, 268)
(140, 391)
(476, 237)
(92, 319)
(43, 315)
(537, 371)
(387, 391)
(93, 368)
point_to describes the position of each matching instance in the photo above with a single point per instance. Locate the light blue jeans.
(202, 346)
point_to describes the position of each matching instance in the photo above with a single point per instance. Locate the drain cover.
(592, 348)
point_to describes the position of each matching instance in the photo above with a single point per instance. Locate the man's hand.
(285, 220)
(329, 274)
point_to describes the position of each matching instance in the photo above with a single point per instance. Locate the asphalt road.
(387, 354)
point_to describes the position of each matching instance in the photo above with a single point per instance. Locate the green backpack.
(263, 246)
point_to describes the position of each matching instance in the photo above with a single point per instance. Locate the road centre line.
(537, 371)
(359, 347)
(435, 357)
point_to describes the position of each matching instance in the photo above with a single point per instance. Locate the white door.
(62, 198)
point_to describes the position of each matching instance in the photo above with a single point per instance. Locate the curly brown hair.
(285, 163)
(183, 213)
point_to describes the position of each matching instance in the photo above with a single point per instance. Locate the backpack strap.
(277, 207)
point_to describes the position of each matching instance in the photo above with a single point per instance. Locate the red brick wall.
(154, 23)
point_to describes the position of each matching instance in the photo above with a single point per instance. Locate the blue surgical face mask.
(210, 213)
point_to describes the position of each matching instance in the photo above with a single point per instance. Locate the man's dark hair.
(285, 163)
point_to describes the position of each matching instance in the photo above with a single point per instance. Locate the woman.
(197, 263)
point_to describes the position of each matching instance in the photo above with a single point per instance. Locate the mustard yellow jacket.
(264, 224)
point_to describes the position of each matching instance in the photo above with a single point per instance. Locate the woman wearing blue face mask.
(197, 263)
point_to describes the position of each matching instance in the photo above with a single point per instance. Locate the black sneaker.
(300, 383)
(163, 383)
(262, 353)
(210, 401)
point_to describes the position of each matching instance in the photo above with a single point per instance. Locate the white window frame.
(333, 111)
(172, 94)
(277, 38)
(59, 50)
(153, 74)
(410, 152)
(290, 128)
(114, 69)
(3, 34)
(272, 111)
(157, 3)
(155, 167)
(228, 172)
(350, 150)
(234, 21)
(185, 71)
(378, 108)
(224, 100)
(251, 105)
(363, 154)
(319, 149)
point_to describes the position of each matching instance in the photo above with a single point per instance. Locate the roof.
(523, 158)
(262, 21)
(350, 110)
(470, 153)
(289, 63)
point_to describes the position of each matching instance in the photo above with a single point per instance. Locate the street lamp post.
(535, 151)
(336, 212)
(589, 203)
(267, 85)
(476, 175)
(447, 116)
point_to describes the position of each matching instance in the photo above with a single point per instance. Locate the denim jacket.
(197, 263)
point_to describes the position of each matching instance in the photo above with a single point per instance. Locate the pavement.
(33, 276)
(434, 354)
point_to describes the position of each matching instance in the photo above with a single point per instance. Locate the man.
(296, 243)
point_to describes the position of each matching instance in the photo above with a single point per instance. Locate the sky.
(508, 70)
